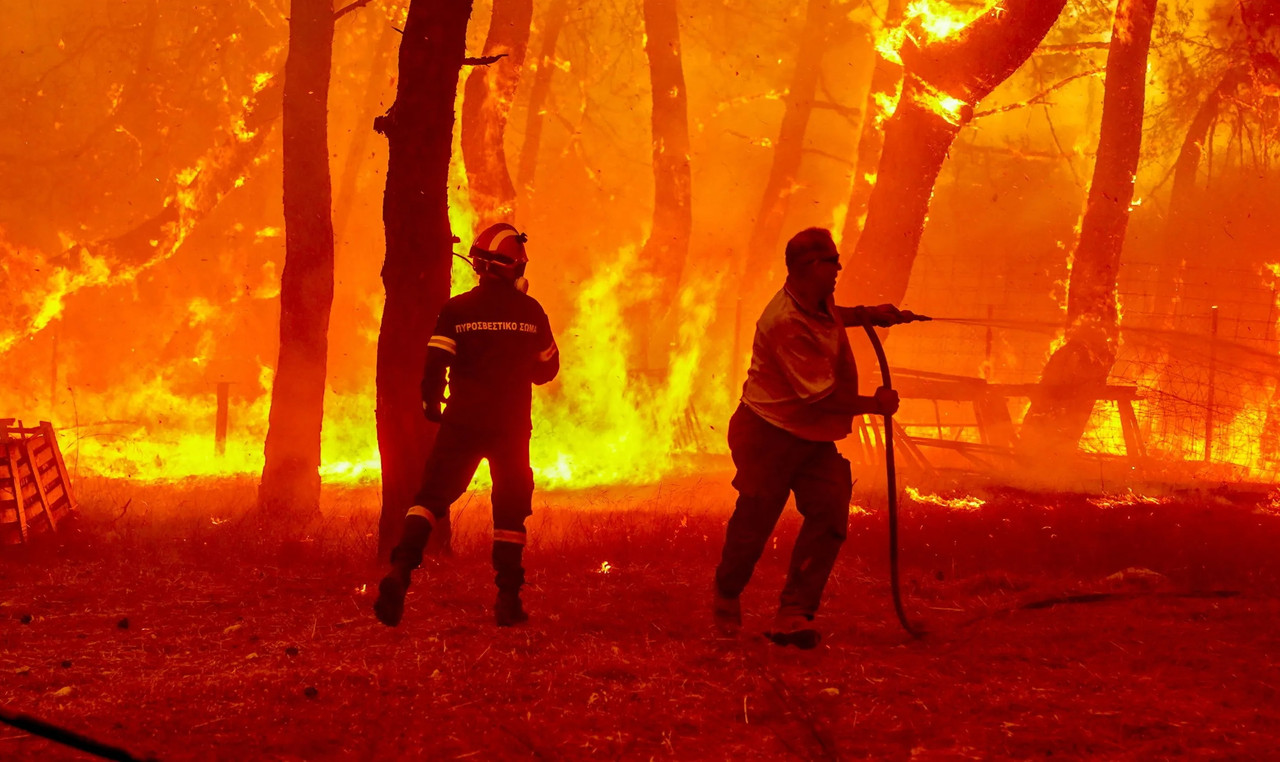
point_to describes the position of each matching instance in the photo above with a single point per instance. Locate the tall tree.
(554, 23)
(415, 274)
(942, 80)
(668, 245)
(762, 255)
(885, 77)
(290, 475)
(486, 103)
(1060, 412)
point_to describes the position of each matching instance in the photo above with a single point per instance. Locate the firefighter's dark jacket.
(496, 342)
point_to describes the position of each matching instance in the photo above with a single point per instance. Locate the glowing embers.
(1126, 500)
(1270, 506)
(965, 503)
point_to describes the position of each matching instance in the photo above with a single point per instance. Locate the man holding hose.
(799, 399)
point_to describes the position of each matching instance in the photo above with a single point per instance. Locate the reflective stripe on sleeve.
(419, 510)
(445, 343)
(507, 535)
(548, 353)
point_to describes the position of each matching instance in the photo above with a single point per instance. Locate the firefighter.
(800, 397)
(496, 342)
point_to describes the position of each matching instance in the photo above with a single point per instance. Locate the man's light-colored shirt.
(799, 357)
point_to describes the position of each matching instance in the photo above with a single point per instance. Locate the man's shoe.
(728, 614)
(508, 611)
(389, 607)
(794, 630)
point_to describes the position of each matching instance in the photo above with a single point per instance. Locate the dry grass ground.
(235, 648)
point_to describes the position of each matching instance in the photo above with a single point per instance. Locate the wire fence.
(1198, 347)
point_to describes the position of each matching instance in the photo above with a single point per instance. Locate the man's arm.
(547, 363)
(848, 402)
(441, 350)
(879, 316)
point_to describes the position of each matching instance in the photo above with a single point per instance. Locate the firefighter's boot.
(509, 574)
(728, 614)
(405, 557)
(794, 630)
(507, 610)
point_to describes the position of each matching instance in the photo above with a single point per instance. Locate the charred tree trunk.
(1060, 412)
(486, 102)
(291, 474)
(668, 245)
(884, 80)
(556, 16)
(942, 80)
(764, 261)
(415, 274)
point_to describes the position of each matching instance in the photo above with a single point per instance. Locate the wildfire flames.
(140, 282)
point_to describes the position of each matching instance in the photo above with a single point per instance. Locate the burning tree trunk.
(1060, 412)
(942, 79)
(291, 475)
(885, 78)
(485, 105)
(556, 16)
(763, 260)
(419, 130)
(668, 245)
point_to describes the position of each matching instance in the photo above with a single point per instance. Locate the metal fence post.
(1213, 371)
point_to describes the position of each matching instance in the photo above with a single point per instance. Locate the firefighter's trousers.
(456, 454)
(771, 464)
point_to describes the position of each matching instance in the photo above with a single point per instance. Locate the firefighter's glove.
(431, 411)
(888, 401)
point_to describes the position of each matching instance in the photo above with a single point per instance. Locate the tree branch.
(485, 61)
(349, 8)
(1039, 97)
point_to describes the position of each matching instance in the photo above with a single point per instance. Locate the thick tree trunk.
(291, 474)
(668, 245)
(419, 130)
(1060, 412)
(764, 262)
(555, 18)
(486, 103)
(942, 81)
(884, 80)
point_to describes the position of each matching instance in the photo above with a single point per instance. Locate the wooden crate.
(35, 491)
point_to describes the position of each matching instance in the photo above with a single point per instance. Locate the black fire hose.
(892, 485)
(66, 737)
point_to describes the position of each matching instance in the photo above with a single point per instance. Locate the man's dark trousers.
(456, 454)
(771, 464)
